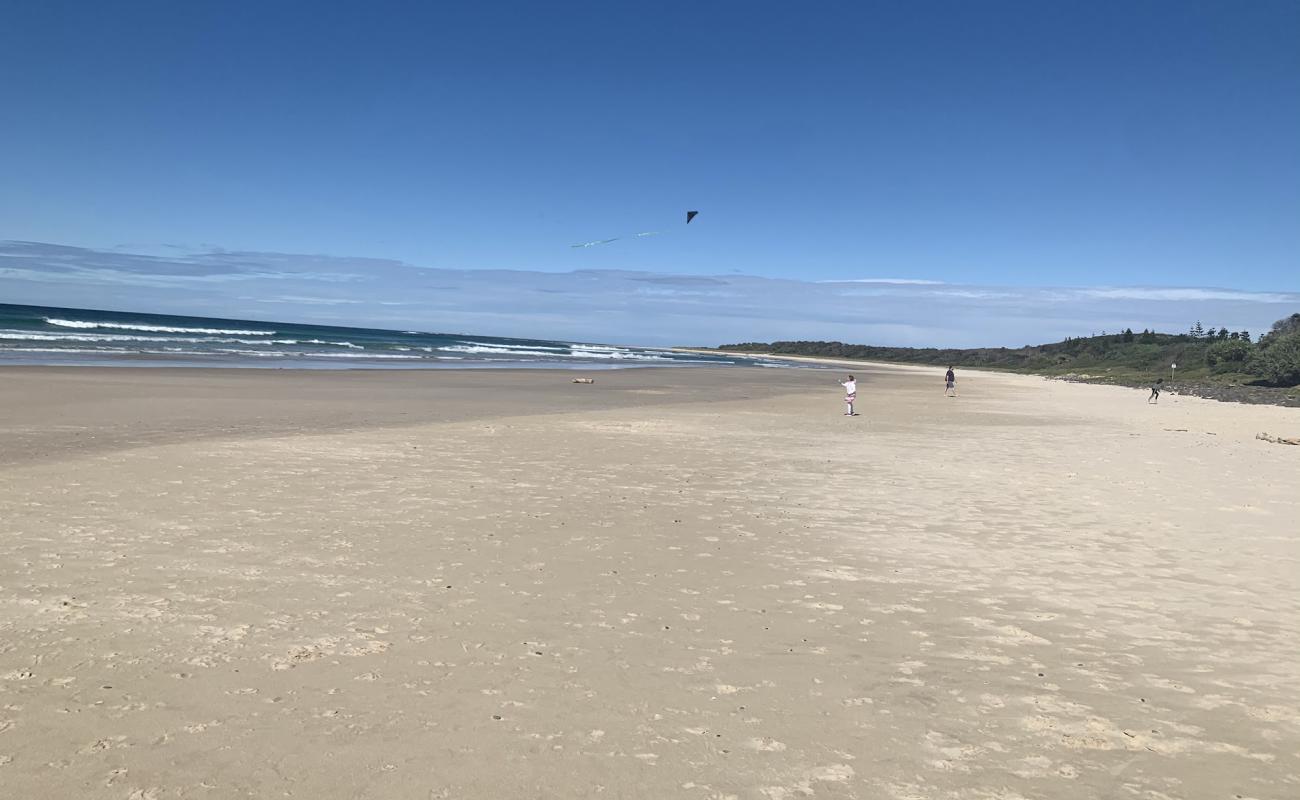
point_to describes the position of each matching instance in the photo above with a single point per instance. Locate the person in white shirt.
(850, 394)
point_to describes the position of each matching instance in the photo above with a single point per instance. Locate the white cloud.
(593, 305)
(307, 301)
(1188, 294)
(977, 294)
(900, 281)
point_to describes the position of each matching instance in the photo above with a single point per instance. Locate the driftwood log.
(1276, 439)
(584, 380)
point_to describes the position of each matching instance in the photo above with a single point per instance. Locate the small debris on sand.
(1276, 439)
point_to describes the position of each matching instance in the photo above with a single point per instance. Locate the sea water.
(67, 336)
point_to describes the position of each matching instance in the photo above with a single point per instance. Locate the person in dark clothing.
(1155, 390)
(950, 383)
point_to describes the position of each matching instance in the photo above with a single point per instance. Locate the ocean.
(73, 336)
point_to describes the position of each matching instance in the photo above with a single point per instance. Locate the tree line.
(1217, 354)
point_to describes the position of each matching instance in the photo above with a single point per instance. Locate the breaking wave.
(135, 326)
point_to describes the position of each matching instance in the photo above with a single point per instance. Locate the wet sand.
(49, 412)
(673, 583)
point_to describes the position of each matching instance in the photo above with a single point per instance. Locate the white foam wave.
(314, 341)
(116, 351)
(622, 353)
(60, 350)
(505, 346)
(78, 323)
(360, 355)
(619, 355)
(30, 336)
(572, 351)
(484, 349)
(120, 337)
(177, 351)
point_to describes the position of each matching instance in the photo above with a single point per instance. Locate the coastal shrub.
(1277, 360)
(1284, 326)
(1228, 355)
(1130, 356)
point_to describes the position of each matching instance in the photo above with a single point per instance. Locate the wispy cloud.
(306, 301)
(977, 294)
(608, 305)
(1185, 294)
(901, 281)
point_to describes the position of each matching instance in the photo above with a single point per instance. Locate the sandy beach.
(673, 583)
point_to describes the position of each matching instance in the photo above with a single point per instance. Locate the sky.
(998, 147)
(616, 306)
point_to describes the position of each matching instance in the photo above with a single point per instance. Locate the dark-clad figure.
(1155, 391)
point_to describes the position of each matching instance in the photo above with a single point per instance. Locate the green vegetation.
(1277, 361)
(1207, 355)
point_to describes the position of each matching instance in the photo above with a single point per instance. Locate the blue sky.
(987, 144)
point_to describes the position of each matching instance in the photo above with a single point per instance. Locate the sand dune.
(684, 583)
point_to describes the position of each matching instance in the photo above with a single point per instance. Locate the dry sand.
(487, 585)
